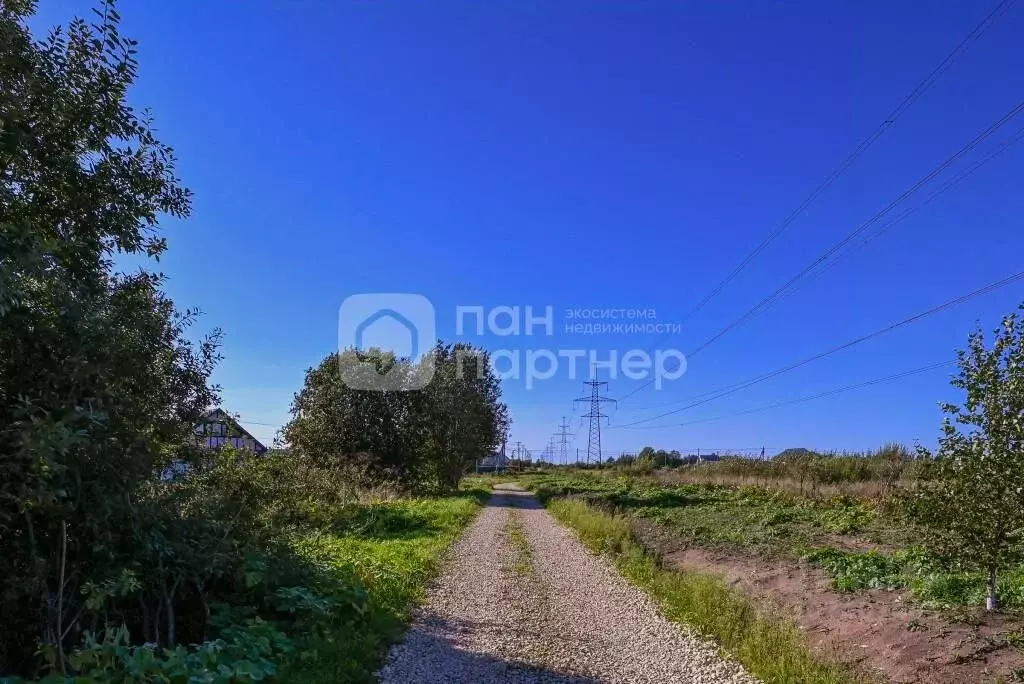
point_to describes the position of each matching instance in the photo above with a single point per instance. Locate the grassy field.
(767, 645)
(737, 518)
(861, 544)
(394, 549)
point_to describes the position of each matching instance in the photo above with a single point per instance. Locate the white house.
(217, 428)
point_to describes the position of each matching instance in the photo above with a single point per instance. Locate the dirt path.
(524, 601)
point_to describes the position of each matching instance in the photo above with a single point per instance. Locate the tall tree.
(465, 418)
(98, 385)
(428, 436)
(972, 497)
(375, 432)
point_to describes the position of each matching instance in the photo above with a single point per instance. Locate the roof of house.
(219, 415)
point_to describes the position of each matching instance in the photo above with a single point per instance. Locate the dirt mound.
(882, 631)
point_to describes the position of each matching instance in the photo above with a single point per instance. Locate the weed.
(769, 521)
(768, 646)
(934, 583)
(394, 557)
(711, 515)
(523, 564)
(857, 571)
(916, 625)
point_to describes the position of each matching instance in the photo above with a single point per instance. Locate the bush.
(935, 583)
(108, 564)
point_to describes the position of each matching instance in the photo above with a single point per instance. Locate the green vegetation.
(128, 550)
(768, 646)
(738, 518)
(810, 470)
(307, 585)
(393, 549)
(523, 564)
(972, 503)
(769, 522)
(429, 436)
(865, 475)
(934, 583)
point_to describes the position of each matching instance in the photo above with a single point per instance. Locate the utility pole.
(563, 444)
(595, 416)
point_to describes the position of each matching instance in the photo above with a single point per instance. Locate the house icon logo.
(397, 323)
(388, 329)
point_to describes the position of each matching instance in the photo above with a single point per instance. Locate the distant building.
(217, 429)
(495, 463)
(693, 459)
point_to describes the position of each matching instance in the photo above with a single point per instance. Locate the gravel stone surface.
(560, 614)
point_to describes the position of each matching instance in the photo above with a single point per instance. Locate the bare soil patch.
(882, 631)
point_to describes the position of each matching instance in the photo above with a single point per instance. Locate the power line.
(906, 213)
(887, 123)
(859, 150)
(971, 145)
(517, 453)
(822, 395)
(549, 451)
(732, 389)
(253, 422)
(931, 175)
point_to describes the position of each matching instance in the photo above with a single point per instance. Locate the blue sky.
(588, 154)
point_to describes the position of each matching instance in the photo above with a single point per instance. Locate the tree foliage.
(464, 419)
(110, 568)
(374, 435)
(99, 387)
(426, 437)
(972, 494)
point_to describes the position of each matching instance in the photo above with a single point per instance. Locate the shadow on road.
(504, 496)
(441, 661)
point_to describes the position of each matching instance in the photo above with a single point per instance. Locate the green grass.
(769, 646)
(395, 549)
(736, 518)
(523, 564)
(769, 522)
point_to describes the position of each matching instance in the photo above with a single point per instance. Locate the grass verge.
(859, 544)
(394, 554)
(523, 564)
(770, 647)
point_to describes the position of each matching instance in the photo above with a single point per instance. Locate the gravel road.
(522, 600)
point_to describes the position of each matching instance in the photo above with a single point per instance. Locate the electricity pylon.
(563, 443)
(595, 416)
